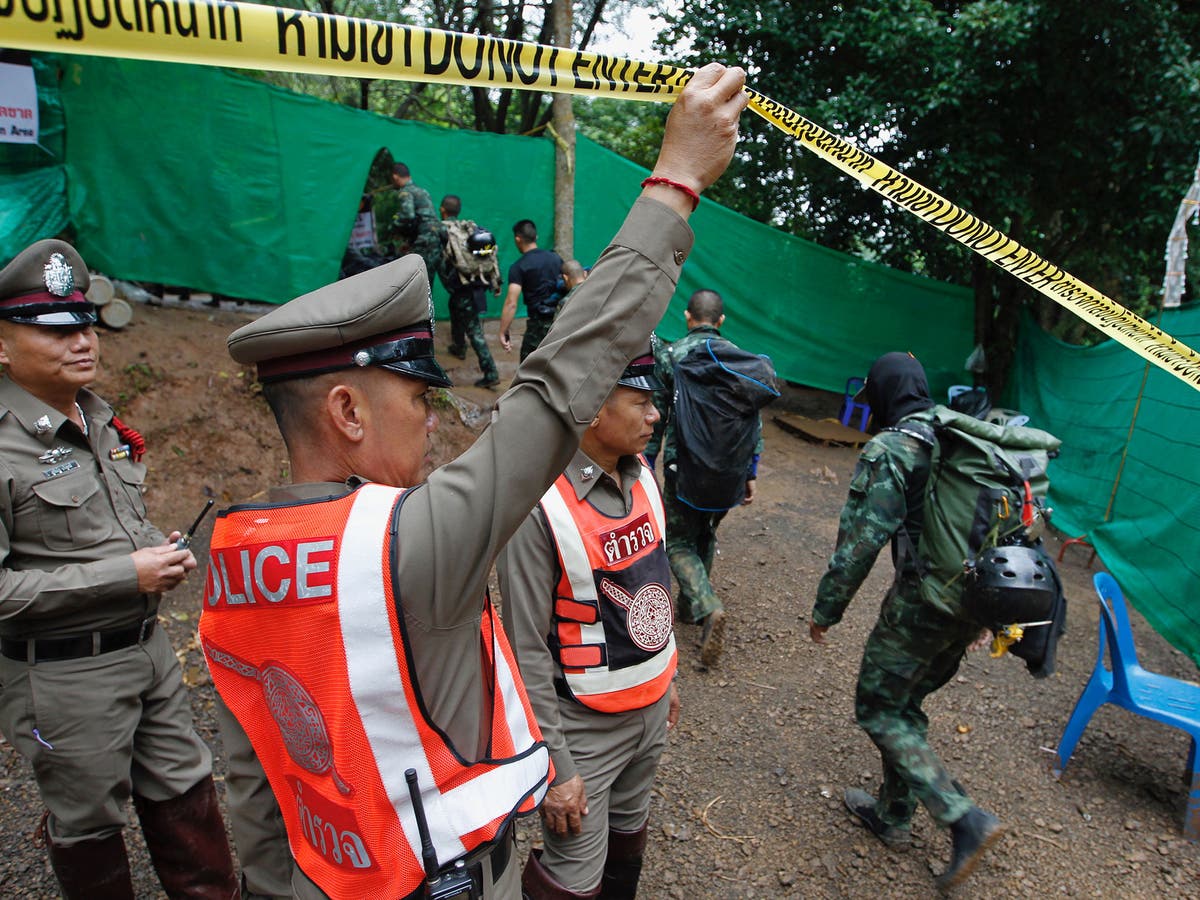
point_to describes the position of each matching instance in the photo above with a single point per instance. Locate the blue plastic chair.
(850, 406)
(1127, 684)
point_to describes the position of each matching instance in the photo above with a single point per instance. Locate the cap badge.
(58, 276)
(54, 454)
(362, 358)
(42, 425)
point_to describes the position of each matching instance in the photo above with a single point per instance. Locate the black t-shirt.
(537, 272)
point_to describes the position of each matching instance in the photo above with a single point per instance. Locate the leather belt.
(78, 646)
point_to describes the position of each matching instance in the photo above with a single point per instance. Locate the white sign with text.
(18, 105)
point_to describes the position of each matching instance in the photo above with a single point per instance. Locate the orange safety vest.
(612, 628)
(304, 642)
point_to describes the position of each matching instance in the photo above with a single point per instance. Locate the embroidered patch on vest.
(649, 618)
(633, 537)
(294, 710)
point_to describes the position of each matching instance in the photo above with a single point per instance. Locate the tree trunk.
(563, 122)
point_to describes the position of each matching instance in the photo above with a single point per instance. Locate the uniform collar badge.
(587, 473)
(42, 425)
(54, 454)
(58, 276)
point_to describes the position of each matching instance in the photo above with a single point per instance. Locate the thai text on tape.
(243, 35)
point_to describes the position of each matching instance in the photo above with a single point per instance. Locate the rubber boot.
(623, 865)
(186, 839)
(862, 804)
(972, 834)
(712, 638)
(92, 870)
(538, 884)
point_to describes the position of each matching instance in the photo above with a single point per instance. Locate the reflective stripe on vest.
(304, 643)
(591, 547)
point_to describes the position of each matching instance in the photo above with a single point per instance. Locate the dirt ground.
(748, 803)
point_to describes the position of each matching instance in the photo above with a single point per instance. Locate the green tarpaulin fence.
(193, 176)
(1151, 539)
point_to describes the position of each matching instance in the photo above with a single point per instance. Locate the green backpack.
(979, 551)
(469, 254)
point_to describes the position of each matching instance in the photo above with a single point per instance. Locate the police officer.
(914, 649)
(348, 371)
(91, 690)
(587, 605)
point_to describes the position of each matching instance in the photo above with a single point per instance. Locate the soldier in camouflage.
(914, 649)
(691, 533)
(467, 299)
(415, 226)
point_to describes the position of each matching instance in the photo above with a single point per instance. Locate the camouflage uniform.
(465, 328)
(691, 534)
(914, 649)
(536, 330)
(415, 227)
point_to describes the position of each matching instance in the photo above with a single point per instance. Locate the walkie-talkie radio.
(454, 884)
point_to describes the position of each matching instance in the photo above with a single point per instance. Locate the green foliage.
(634, 130)
(1068, 125)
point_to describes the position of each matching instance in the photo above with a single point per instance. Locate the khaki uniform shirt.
(70, 516)
(529, 572)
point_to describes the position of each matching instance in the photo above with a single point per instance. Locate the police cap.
(639, 374)
(44, 285)
(381, 317)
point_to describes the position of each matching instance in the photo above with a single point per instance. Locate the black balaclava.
(896, 387)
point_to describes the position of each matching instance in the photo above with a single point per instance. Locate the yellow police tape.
(244, 35)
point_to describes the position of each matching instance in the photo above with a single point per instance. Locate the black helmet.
(481, 242)
(1010, 585)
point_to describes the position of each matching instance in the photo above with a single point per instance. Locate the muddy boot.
(186, 839)
(95, 870)
(623, 865)
(862, 804)
(712, 638)
(538, 884)
(972, 834)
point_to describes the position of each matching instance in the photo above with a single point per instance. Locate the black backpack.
(719, 389)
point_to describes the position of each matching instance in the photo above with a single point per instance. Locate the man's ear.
(346, 411)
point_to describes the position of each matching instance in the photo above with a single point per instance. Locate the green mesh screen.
(1087, 397)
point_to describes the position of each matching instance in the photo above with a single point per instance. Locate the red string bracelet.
(692, 195)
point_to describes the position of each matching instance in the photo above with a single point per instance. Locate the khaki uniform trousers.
(617, 756)
(99, 728)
